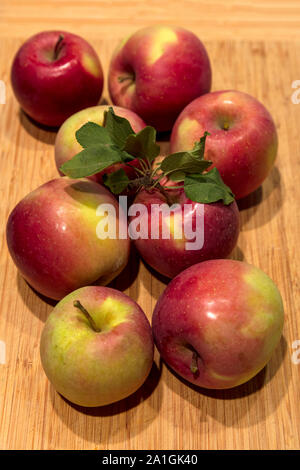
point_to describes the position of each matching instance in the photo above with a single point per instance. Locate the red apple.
(216, 238)
(99, 355)
(66, 145)
(52, 237)
(242, 143)
(218, 322)
(157, 71)
(55, 74)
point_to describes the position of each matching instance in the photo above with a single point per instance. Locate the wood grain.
(253, 47)
(212, 19)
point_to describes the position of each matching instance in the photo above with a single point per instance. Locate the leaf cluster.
(116, 142)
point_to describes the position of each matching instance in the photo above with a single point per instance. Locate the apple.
(218, 322)
(66, 145)
(157, 71)
(171, 255)
(55, 74)
(52, 237)
(243, 140)
(96, 346)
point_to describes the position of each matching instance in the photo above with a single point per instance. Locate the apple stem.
(194, 364)
(58, 46)
(165, 194)
(78, 305)
(147, 181)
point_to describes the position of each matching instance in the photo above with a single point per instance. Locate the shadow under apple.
(154, 282)
(135, 413)
(38, 131)
(240, 406)
(36, 303)
(127, 279)
(264, 203)
(237, 254)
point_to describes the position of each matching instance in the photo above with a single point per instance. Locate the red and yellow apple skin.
(51, 87)
(92, 368)
(157, 71)
(243, 140)
(66, 145)
(170, 256)
(51, 236)
(229, 312)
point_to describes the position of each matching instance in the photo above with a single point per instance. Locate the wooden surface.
(253, 47)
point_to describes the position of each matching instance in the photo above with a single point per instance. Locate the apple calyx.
(124, 78)
(194, 364)
(79, 305)
(116, 142)
(58, 47)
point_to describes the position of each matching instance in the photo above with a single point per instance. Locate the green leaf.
(92, 134)
(143, 144)
(177, 176)
(208, 187)
(199, 147)
(116, 181)
(179, 164)
(91, 160)
(118, 128)
(184, 162)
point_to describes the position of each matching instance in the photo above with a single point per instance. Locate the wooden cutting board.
(165, 413)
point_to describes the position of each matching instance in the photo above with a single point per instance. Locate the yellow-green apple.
(66, 145)
(243, 140)
(55, 74)
(218, 322)
(96, 346)
(53, 236)
(157, 71)
(172, 241)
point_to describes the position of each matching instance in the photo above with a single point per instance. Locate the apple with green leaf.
(110, 145)
(68, 141)
(196, 207)
(55, 74)
(243, 140)
(189, 233)
(96, 346)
